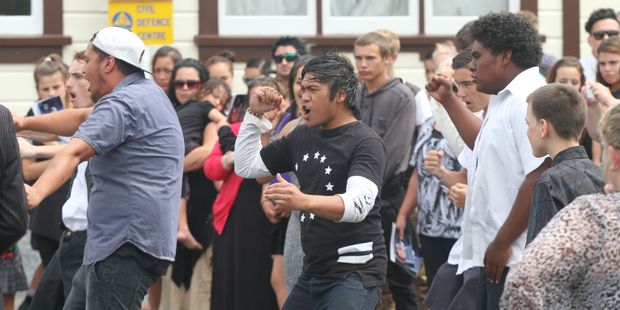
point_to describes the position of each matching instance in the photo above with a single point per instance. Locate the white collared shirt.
(422, 107)
(456, 253)
(589, 64)
(74, 209)
(502, 159)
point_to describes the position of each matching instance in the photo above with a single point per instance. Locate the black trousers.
(55, 284)
(435, 252)
(399, 281)
(489, 294)
(46, 247)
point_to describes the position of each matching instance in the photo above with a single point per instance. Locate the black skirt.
(242, 257)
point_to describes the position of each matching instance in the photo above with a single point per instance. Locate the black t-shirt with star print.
(323, 160)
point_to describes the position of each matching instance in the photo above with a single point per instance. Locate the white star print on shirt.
(316, 155)
(303, 217)
(306, 157)
(323, 158)
(312, 216)
(296, 167)
(329, 187)
(328, 170)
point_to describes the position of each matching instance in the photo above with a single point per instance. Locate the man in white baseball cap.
(135, 146)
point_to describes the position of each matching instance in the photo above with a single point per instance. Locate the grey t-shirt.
(136, 172)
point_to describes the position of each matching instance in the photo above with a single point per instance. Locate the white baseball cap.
(122, 44)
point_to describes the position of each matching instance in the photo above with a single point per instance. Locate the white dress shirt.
(502, 159)
(422, 107)
(74, 209)
(589, 64)
(456, 253)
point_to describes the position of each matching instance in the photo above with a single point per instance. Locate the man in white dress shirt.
(506, 53)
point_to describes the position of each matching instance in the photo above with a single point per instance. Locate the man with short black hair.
(339, 162)
(506, 53)
(601, 24)
(134, 139)
(285, 52)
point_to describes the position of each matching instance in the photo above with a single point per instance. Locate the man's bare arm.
(29, 151)
(62, 123)
(498, 253)
(59, 170)
(467, 124)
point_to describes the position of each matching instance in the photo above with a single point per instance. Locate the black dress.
(199, 220)
(241, 255)
(194, 117)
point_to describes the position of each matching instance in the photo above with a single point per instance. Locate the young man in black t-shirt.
(339, 162)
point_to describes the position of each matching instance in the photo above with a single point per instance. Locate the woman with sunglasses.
(241, 255)
(187, 77)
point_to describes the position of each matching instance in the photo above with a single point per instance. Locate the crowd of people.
(503, 171)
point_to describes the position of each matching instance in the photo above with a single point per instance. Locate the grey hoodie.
(390, 111)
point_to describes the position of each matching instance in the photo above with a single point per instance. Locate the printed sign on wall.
(151, 20)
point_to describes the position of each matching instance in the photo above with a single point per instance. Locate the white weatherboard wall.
(83, 18)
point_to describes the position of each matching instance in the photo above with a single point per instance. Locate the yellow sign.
(151, 20)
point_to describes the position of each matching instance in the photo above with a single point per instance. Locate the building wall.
(83, 18)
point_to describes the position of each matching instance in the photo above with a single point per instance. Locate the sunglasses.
(191, 84)
(600, 35)
(288, 56)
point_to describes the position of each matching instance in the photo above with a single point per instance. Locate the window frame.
(342, 25)
(445, 25)
(210, 41)
(24, 24)
(267, 25)
(29, 48)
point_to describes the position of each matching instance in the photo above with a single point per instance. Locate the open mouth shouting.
(306, 111)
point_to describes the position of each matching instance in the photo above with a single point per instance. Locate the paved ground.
(31, 261)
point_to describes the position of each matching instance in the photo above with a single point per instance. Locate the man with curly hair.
(506, 52)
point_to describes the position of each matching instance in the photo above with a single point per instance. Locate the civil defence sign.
(151, 20)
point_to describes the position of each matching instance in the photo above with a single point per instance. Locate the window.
(249, 27)
(267, 17)
(23, 42)
(446, 17)
(360, 16)
(21, 17)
